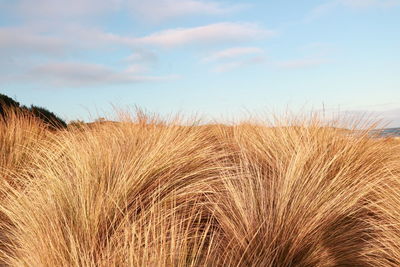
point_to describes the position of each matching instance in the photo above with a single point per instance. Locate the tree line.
(48, 117)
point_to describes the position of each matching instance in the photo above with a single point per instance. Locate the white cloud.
(85, 74)
(56, 30)
(153, 10)
(235, 57)
(224, 32)
(158, 10)
(232, 53)
(21, 41)
(64, 8)
(209, 34)
(224, 67)
(353, 4)
(40, 46)
(136, 68)
(143, 56)
(301, 63)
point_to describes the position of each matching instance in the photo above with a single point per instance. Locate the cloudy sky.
(214, 58)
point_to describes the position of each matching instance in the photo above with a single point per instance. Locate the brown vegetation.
(149, 193)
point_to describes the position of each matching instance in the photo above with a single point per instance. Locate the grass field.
(144, 192)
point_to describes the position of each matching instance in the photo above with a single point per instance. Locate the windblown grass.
(20, 132)
(149, 193)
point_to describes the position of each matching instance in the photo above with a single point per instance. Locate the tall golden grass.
(148, 193)
(20, 132)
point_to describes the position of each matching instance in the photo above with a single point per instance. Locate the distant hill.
(48, 117)
(387, 132)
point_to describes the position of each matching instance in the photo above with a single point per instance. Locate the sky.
(217, 59)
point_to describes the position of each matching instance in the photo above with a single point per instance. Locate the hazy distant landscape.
(389, 132)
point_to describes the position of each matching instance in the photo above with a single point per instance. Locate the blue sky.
(220, 59)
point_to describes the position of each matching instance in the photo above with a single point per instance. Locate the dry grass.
(145, 193)
(19, 133)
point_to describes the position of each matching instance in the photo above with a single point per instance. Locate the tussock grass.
(148, 193)
(20, 132)
(309, 196)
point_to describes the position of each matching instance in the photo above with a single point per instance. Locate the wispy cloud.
(62, 9)
(53, 31)
(353, 4)
(301, 63)
(142, 56)
(86, 74)
(233, 53)
(217, 33)
(21, 41)
(159, 10)
(234, 58)
(150, 10)
(224, 67)
(209, 34)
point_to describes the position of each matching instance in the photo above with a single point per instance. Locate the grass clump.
(148, 193)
